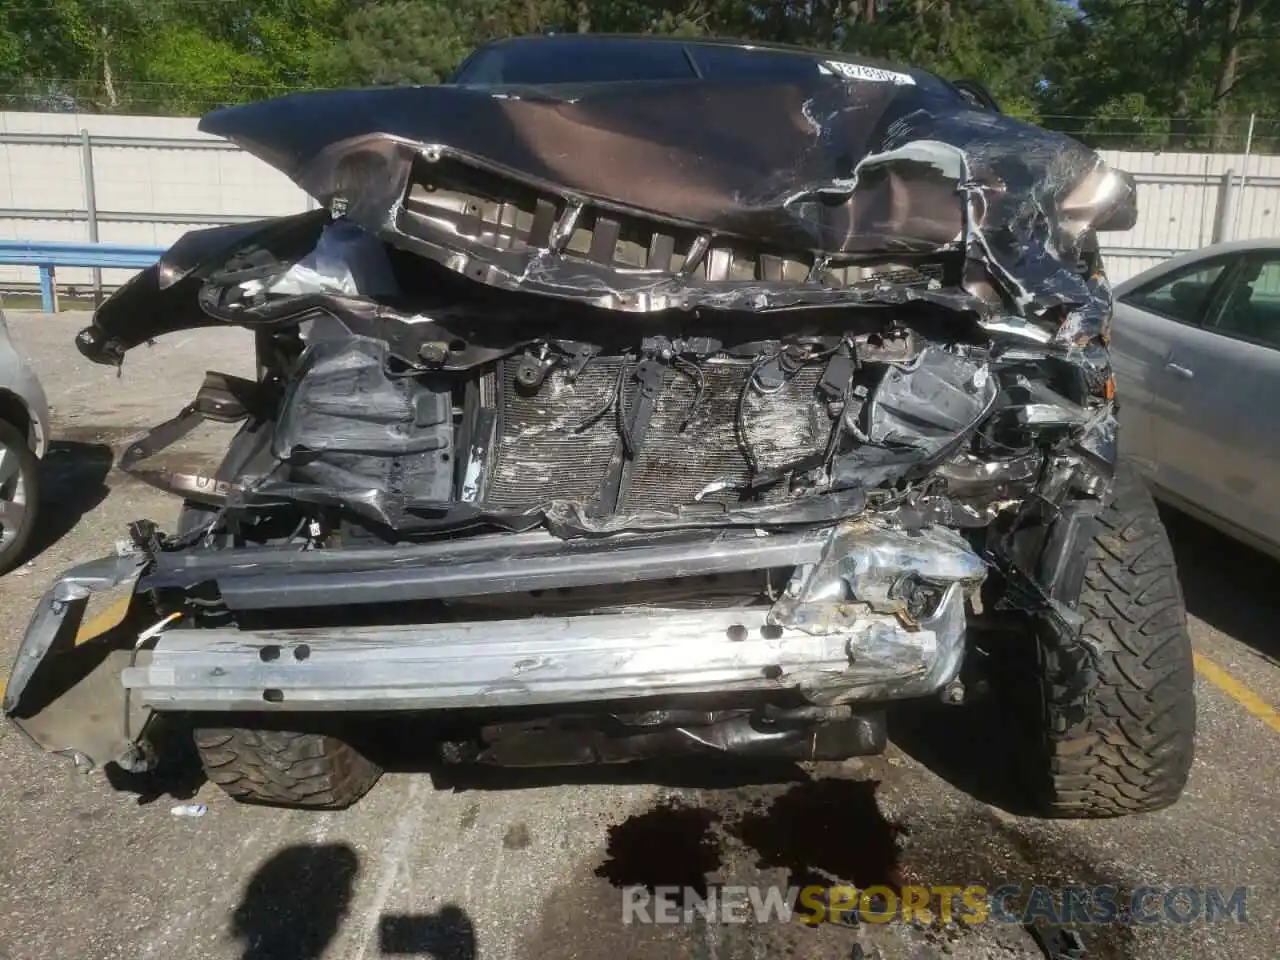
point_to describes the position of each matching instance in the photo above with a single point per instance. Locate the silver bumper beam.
(547, 661)
(871, 613)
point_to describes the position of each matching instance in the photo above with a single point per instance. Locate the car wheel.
(19, 495)
(1117, 712)
(285, 768)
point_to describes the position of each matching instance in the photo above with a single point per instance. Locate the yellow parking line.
(104, 621)
(1238, 692)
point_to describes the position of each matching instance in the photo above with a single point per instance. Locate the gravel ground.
(496, 865)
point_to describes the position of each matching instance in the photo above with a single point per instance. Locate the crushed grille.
(507, 215)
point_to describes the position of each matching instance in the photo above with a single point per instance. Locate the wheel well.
(14, 412)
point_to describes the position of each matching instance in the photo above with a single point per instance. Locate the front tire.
(19, 495)
(1117, 711)
(285, 768)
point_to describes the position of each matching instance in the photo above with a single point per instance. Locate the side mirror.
(1124, 216)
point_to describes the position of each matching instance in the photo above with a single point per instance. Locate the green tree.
(201, 55)
(80, 51)
(1201, 62)
(1111, 71)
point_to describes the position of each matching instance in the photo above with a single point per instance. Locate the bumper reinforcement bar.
(548, 660)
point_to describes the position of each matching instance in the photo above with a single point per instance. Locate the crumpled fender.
(64, 691)
(164, 298)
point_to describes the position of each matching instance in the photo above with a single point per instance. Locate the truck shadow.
(177, 775)
(708, 773)
(418, 745)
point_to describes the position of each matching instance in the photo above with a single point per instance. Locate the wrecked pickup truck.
(630, 397)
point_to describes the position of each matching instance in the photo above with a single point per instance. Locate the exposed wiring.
(619, 403)
(694, 372)
(206, 532)
(739, 418)
(613, 400)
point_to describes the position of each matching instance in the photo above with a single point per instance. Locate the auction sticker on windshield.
(858, 71)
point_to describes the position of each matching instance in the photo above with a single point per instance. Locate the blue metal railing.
(48, 255)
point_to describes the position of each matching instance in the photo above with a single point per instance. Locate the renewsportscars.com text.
(973, 904)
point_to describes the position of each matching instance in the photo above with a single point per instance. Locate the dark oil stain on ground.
(830, 831)
(825, 831)
(672, 845)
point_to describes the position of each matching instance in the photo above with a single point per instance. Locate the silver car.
(1196, 349)
(24, 437)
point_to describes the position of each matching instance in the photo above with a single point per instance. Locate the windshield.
(577, 59)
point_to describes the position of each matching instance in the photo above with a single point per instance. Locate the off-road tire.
(285, 768)
(1121, 743)
(14, 550)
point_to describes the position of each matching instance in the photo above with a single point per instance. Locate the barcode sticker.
(858, 71)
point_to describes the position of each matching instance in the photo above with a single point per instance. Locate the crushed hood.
(739, 196)
(640, 306)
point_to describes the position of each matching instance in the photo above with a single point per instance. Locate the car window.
(738, 64)
(575, 59)
(1251, 308)
(734, 64)
(547, 60)
(1183, 296)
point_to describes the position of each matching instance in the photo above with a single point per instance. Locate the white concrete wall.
(1178, 193)
(203, 180)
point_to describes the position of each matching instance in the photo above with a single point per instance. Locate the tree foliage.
(1150, 73)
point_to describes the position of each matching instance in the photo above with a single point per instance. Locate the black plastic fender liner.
(1061, 568)
(164, 298)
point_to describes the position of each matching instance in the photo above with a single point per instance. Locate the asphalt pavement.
(463, 864)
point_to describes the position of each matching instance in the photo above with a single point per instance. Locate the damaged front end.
(553, 419)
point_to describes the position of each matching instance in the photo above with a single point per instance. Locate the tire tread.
(285, 768)
(1126, 746)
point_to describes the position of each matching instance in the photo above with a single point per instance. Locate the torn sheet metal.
(869, 565)
(733, 389)
(813, 171)
(876, 278)
(345, 260)
(58, 614)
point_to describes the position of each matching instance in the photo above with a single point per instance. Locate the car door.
(1215, 433)
(1151, 318)
(1223, 424)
